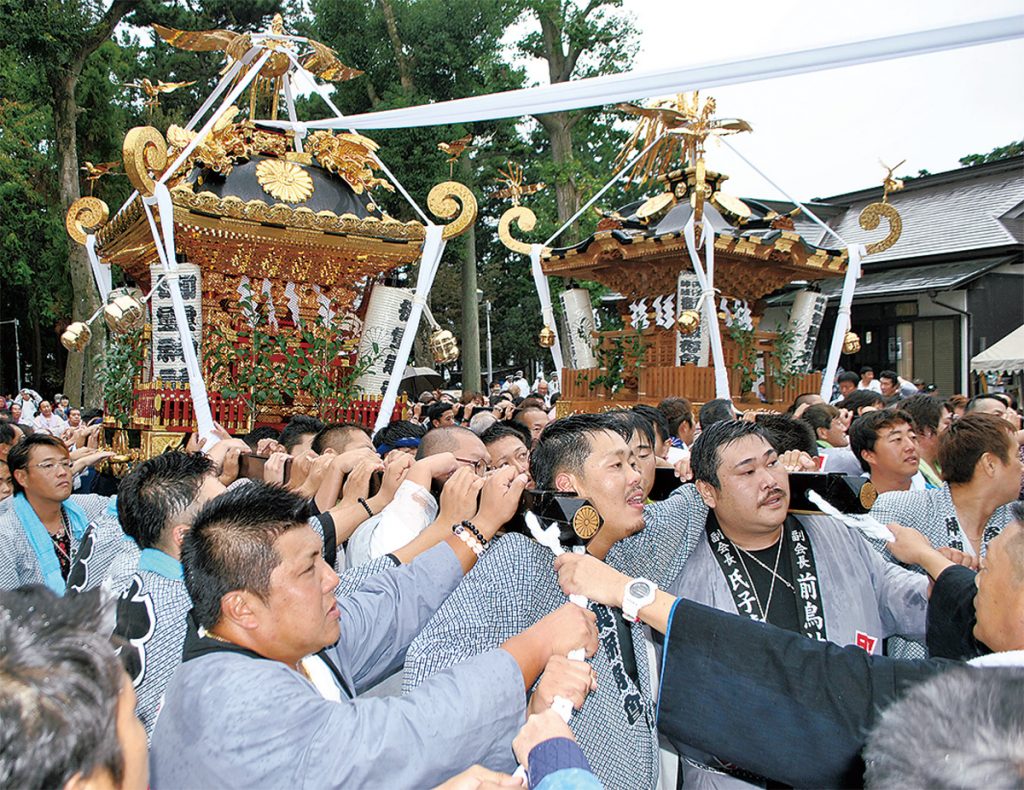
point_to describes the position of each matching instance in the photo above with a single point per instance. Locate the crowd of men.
(322, 606)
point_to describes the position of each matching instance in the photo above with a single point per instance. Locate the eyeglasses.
(49, 466)
(480, 467)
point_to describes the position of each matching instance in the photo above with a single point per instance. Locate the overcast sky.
(822, 134)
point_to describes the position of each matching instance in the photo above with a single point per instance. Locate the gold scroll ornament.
(454, 201)
(144, 151)
(525, 219)
(872, 215)
(86, 215)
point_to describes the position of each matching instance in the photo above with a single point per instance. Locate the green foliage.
(1015, 148)
(781, 368)
(122, 364)
(746, 355)
(620, 360)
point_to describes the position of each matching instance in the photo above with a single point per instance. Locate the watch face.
(639, 589)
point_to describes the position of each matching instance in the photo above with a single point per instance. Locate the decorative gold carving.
(869, 219)
(144, 151)
(76, 337)
(284, 180)
(890, 183)
(546, 339)
(525, 219)
(86, 215)
(444, 201)
(586, 522)
(351, 156)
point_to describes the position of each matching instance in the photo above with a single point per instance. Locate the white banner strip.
(101, 273)
(540, 280)
(595, 91)
(843, 323)
(430, 259)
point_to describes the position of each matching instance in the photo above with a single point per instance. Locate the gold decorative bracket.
(144, 151)
(454, 201)
(86, 215)
(525, 219)
(872, 215)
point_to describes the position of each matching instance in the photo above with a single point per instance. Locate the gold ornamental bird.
(153, 91)
(322, 61)
(94, 173)
(455, 149)
(889, 183)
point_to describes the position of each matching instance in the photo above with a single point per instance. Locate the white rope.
(540, 282)
(627, 86)
(707, 287)
(322, 93)
(622, 171)
(789, 197)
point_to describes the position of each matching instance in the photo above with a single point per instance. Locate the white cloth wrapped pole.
(165, 251)
(540, 280)
(707, 298)
(430, 259)
(100, 272)
(843, 323)
(595, 91)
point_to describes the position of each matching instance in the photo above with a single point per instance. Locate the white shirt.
(874, 386)
(408, 514)
(52, 425)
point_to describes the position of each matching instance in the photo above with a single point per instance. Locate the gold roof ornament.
(455, 149)
(515, 189)
(315, 57)
(872, 214)
(889, 183)
(351, 156)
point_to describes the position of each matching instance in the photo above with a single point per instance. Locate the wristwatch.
(638, 594)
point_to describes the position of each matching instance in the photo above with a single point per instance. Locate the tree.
(1015, 148)
(58, 38)
(576, 42)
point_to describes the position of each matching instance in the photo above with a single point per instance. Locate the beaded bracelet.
(366, 507)
(479, 535)
(471, 542)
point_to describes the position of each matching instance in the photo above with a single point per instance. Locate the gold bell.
(689, 322)
(546, 337)
(851, 343)
(125, 311)
(444, 347)
(76, 337)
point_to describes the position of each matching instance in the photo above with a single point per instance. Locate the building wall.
(996, 305)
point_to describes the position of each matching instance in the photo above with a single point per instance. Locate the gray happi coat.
(933, 514)
(90, 556)
(235, 720)
(863, 598)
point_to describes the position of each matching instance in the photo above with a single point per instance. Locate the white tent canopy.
(1005, 356)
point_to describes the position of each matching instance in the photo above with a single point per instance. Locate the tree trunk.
(470, 305)
(559, 125)
(37, 355)
(82, 368)
(404, 70)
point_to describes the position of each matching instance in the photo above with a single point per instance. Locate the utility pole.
(490, 367)
(470, 309)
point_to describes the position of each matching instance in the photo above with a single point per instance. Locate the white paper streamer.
(707, 298)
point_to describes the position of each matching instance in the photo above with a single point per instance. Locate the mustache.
(771, 495)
